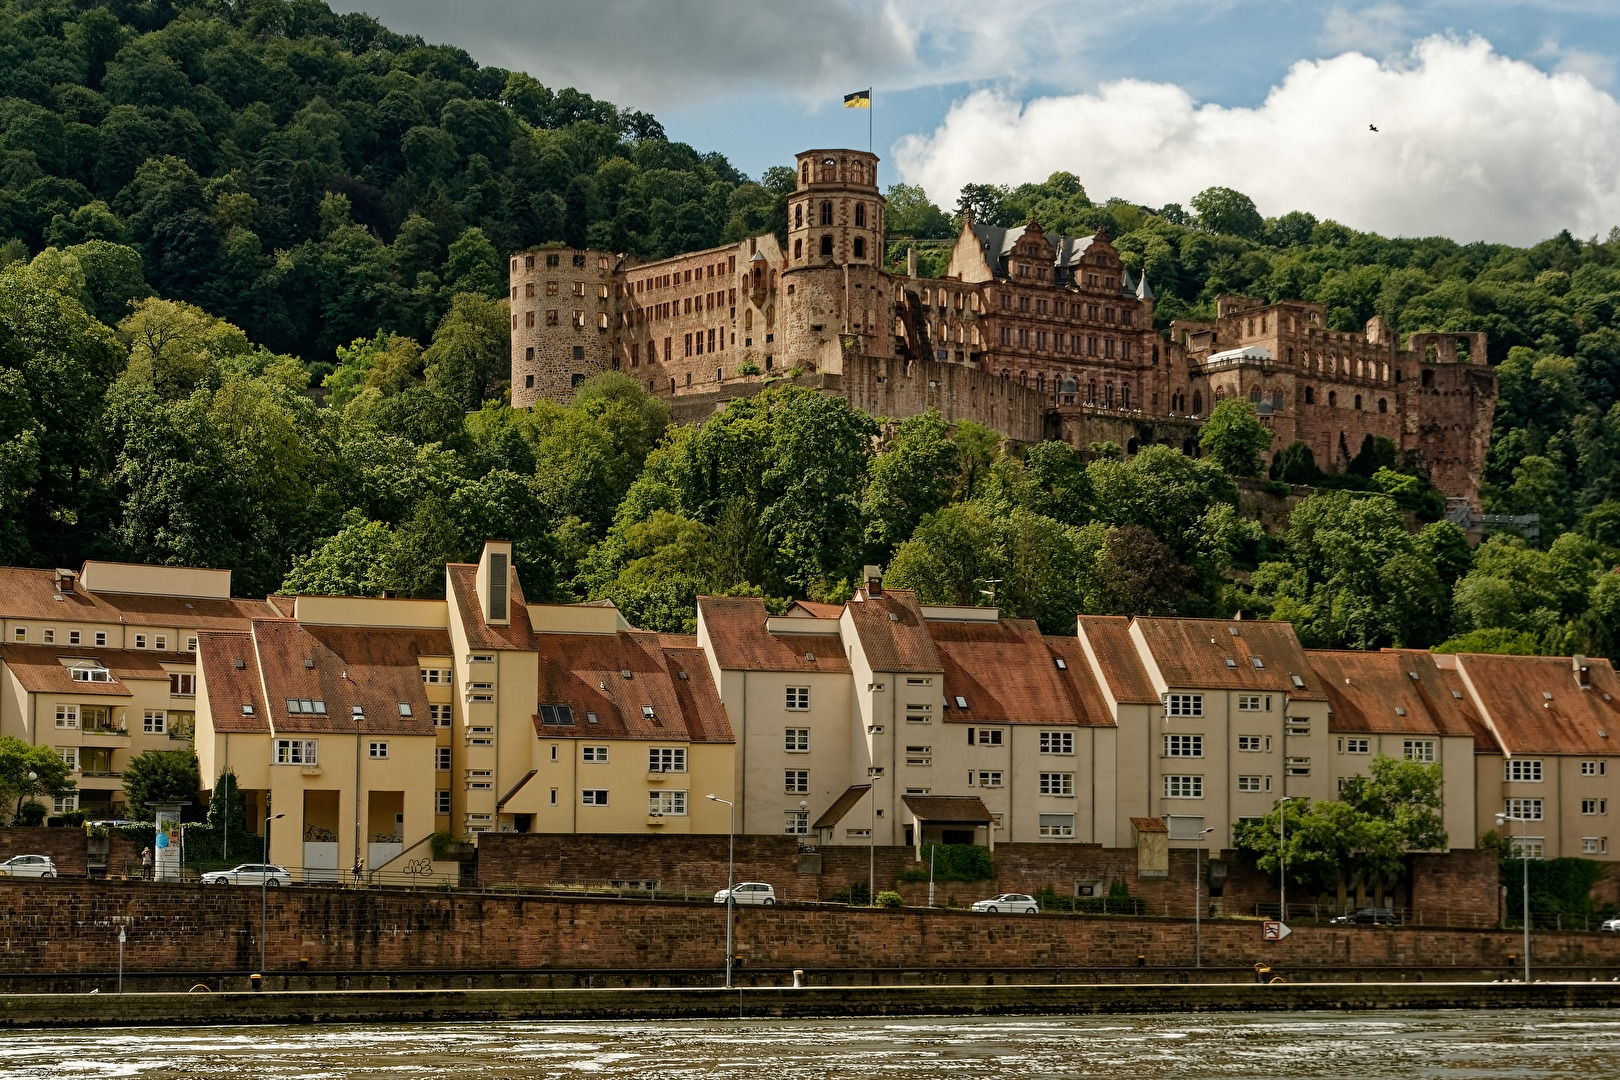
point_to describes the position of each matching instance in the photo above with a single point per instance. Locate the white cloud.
(1472, 145)
(1380, 29)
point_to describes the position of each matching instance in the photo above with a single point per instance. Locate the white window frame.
(441, 715)
(919, 713)
(1059, 785)
(160, 642)
(1522, 770)
(1183, 746)
(989, 737)
(441, 801)
(1056, 826)
(1248, 703)
(1419, 750)
(796, 822)
(155, 722)
(1250, 744)
(377, 750)
(1357, 745)
(1524, 809)
(593, 755)
(667, 803)
(989, 778)
(1184, 704)
(1251, 783)
(1059, 743)
(296, 752)
(796, 781)
(593, 797)
(920, 756)
(67, 716)
(442, 759)
(796, 740)
(1183, 786)
(666, 759)
(796, 699)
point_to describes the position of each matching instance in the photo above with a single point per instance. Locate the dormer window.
(311, 706)
(90, 674)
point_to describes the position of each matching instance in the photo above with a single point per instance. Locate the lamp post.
(874, 774)
(264, 889)
(731, 885)
(1282, 857)
(1198, 900)
(1524, 875)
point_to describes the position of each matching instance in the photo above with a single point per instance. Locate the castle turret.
(835, 257)
(561, 308)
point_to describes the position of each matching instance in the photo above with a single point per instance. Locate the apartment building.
(101, 664)
(1552, 723)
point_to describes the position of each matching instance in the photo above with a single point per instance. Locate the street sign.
(1273, 930)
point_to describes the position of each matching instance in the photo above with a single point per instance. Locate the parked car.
(1368, 916)
(1611, 925)
(249, 874)
(1017, 903)
(28, 866)
(748, 892)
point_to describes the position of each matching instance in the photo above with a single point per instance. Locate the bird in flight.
(1372, 127)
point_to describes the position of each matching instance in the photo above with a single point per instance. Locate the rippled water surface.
(1411, 1046)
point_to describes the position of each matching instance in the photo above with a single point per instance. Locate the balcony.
(105, 730)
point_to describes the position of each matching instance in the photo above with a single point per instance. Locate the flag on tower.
(860, 99)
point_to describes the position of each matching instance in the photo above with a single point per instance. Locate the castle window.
(635, 355)
(528, 291)
(1108, 395)
(1125, 397)
(1023, 339)
(688, 344)
(551, 317)
(826, 212)
(1091, 346)
(1310, 395)
(1198, 402)
(1091, 391)
(860, 247)
(798, 249)
(857, 173)
(860, 215)
(553, 261)
(1358, 401)
(688, 378)
(528, 354)
(528, 262)
(826, 245)
(798, 216)
(804, 173)
(528, 319)
(1333, 398)
(1254, 394)
(528, 382)
(1383, 405)
(1428, 379)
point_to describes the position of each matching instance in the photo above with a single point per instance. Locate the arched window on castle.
(804, 173)
(826, 212)
(1358, 401)
(1198, 403)
(798, 249)
(798, 216)
(1125, 396)
(857, 173)
(1254, 394)
(1091, 391)
(860, 215)
(1310, 395)
(1383, 405)
(829, 171)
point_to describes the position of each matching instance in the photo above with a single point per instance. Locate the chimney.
(874, 580)
(1583, 673)
(494, 582)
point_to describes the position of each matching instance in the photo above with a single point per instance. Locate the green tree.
(1235, 437)
(914, 476)
(1222, 210)
(27, 771)
(156, 776)
(470, 358)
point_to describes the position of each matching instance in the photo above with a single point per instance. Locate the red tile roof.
(1008, 674)
(1193, 653)
(948, 809)
(1533, 704)
(668, 674)
(372, 667)
(1365, 690)
(810, 609)
(463, 579)
(736, 629)
(40, 669)
(32, 594)
(842, 806)
(1107, 638)
(229, 687)
(892, 631)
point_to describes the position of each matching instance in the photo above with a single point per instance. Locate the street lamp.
(1524, 855)
(1198, 900)
(1282, 857)
(874, 774)
(731, 885)
(264, 889)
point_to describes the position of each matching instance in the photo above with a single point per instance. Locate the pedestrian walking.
(146, 863)
(359, 868)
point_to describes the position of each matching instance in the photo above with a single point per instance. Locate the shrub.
(856, 895)
(889, 898)
(954, 862)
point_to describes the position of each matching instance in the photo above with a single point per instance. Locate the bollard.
(257, 981)
(798, 978)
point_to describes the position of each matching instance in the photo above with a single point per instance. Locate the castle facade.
(1038, 336)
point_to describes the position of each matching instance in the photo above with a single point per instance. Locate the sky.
(1497, 119)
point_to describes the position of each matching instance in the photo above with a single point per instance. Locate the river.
(1409, 1046)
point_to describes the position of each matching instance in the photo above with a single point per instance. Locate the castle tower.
(561, 307)
(834, 283)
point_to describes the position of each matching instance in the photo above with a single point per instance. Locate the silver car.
(28, 866)
(1611, 925)
(748, 892)
(1017, 903)
(249, 874)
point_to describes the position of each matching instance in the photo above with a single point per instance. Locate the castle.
(1039, 337)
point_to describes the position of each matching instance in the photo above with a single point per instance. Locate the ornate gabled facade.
(1038, 336)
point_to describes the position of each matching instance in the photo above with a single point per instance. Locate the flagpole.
(869, 125)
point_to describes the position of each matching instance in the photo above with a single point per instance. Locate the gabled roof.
(892, 631)
(668, 676)
(43, 669)
(1108, 638)
(811, 609)
(32, 594)
(948, 809)
(1007, 673)
(230, 687)
(1395, 693)
(841, 806)
(1195, 654)
(344, 666)
(736, 629)
(463, 581)
(1533, 704)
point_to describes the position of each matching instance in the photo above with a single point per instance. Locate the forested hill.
(251, 270)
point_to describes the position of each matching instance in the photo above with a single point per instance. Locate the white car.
(748, 892)
(1611, 925)
(1017, 903)
(28, 866)
(249, 874)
